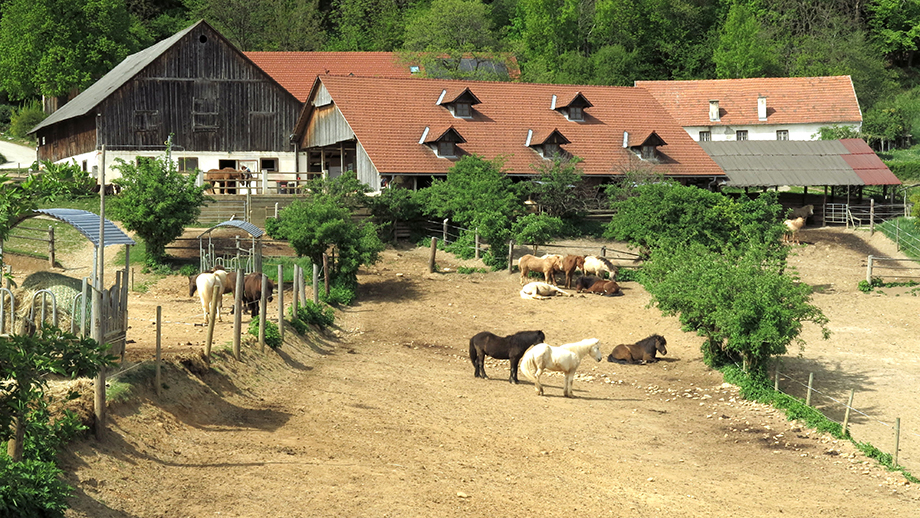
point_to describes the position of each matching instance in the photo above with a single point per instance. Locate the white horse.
(598, 265)
(541, 290)
(565, 359)
(205, 283)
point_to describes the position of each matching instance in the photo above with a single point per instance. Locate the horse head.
(596, 352)
(660, 343)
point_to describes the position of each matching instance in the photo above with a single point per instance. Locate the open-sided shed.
(239, 258)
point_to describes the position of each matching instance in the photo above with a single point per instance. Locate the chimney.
(762, 108)
(714, 110)
(625, 139)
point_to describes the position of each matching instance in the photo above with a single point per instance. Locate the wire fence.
(832, 398)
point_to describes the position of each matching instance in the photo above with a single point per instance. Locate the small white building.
(772, 108)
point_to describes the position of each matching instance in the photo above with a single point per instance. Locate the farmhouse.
(221, 109)
(394, 131)
(774, 108)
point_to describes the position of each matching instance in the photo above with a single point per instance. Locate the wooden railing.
(262, 182)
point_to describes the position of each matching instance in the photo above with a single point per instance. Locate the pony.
(641, 352)
(599, 286)
(598, 265)
(802, 212)
(252, 288)
(510, 347)
(205, 283)
(565, 358)
(548, 266)
(570, 263)
(541, 290)
(792, 229)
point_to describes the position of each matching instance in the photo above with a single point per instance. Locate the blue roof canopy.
(253, 230)
(88, 225)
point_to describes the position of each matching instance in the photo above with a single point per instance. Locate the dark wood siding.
(206, 94)
(69, 138)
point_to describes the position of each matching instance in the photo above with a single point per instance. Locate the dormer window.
(648, 149)
(459, 103)
(573, 108)
(548, 144)
(443, 141)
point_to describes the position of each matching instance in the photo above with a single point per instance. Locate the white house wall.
(762, 131)
(206, 160)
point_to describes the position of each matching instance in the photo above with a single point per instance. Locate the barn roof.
(388, 116)
(790, 100)
(770, 163)
(88, 224)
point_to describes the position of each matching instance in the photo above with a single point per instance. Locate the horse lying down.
(565, 358)
(599, 286)
(641, 352)
(510, 347)
(541, 290)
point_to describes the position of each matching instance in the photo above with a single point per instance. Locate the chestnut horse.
(510, 347)
(642, 351)
(569, 264)
(599, 286)
(548, 266)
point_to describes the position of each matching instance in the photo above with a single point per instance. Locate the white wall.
(761, 131)
(206, 161)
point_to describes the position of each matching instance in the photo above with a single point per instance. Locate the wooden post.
(237, 314)
(51, 246)
(846, 414)
(281, 302)
(326, 273)
(431, 256)
(263, 306)
(212, 317)
(511, 256)
(477, 245)
(897, 441)
(776, 378)
(159, 347)
(871, 216)
(316, 284)
(869, 270)
(897, 233)
(603, 251)
(99, 400)
(444, 237)
(811, 379)
(295, 288)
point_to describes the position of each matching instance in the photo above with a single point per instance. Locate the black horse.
(642, 351)
(510, 347)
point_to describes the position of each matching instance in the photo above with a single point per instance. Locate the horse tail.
(473, 353)
(532, 360)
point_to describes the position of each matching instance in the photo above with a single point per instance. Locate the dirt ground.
(381, 416)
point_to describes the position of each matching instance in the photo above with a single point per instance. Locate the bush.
(24, 119)
(31, 488)
(272, 335)
(311, 314)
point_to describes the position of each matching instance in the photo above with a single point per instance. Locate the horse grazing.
(570, 263)
(565, 358)
(541, 290)
(204, 284)
(510, 347)
(598, 265)
(599, 286)
(548, 266)
(642, 351)
(792, 230)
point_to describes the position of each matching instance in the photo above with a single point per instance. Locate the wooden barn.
(221, 109)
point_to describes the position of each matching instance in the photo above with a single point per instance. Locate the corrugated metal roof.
(112, 81)
(253, 230)
(769, 163)
(88, 225)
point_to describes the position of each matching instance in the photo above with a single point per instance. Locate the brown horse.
(599, 286)
(642, 351)
(569, 264)
(548, 266)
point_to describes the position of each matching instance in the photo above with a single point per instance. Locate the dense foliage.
(157, 202)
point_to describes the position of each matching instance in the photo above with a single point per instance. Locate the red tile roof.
(866, 164)
(296, 71)
(389, 116)
(790, 100)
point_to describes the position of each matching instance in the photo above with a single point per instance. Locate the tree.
(558, 190)
(157, 202)
(366, 25)
(451, 25)
(743, 51)
(266, 25)
(50, 47)
(536, 229)
(895, 28)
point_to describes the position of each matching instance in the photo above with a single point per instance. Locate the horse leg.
(536, 382)
(567, 389)
(513, 378)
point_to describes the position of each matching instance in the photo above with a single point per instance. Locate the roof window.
(459, 103)
(573, 108)
(443, 141)
(547, 144)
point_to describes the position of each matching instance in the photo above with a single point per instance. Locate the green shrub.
(26, 118)
(3, 159)
(187, 270)
(272, 335)
(31, 488)
(310, 313)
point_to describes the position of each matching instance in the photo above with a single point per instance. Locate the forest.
(55, 47)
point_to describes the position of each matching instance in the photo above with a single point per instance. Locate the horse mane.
(581, 346)
(651, 340)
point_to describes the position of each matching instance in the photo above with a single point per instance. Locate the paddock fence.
(26, 233)
(830, 395)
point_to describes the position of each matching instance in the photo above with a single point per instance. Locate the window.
(576, 113)
(268, 164)
(205, 114)
(705, 136)
(446, 149)
(188, 164)
(146, 120)
(551, 150)
(782, 134)
(462, 110)
(741, 135)
(648, 152)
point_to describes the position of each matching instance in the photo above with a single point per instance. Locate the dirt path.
(384, 418)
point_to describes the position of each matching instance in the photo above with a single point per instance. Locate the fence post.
(315, 283)
(897, 233)
(511, 256)
(811, 379)
(263, 308)
(776, 378)
(603, 251)
(871, 216)
(434, 250)
(444, 237)
(281, 302)
(869, 270)
(477, 244)
(159, 347)
(846, 414)
(51, 246)
(897, 440)
(238, 314)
